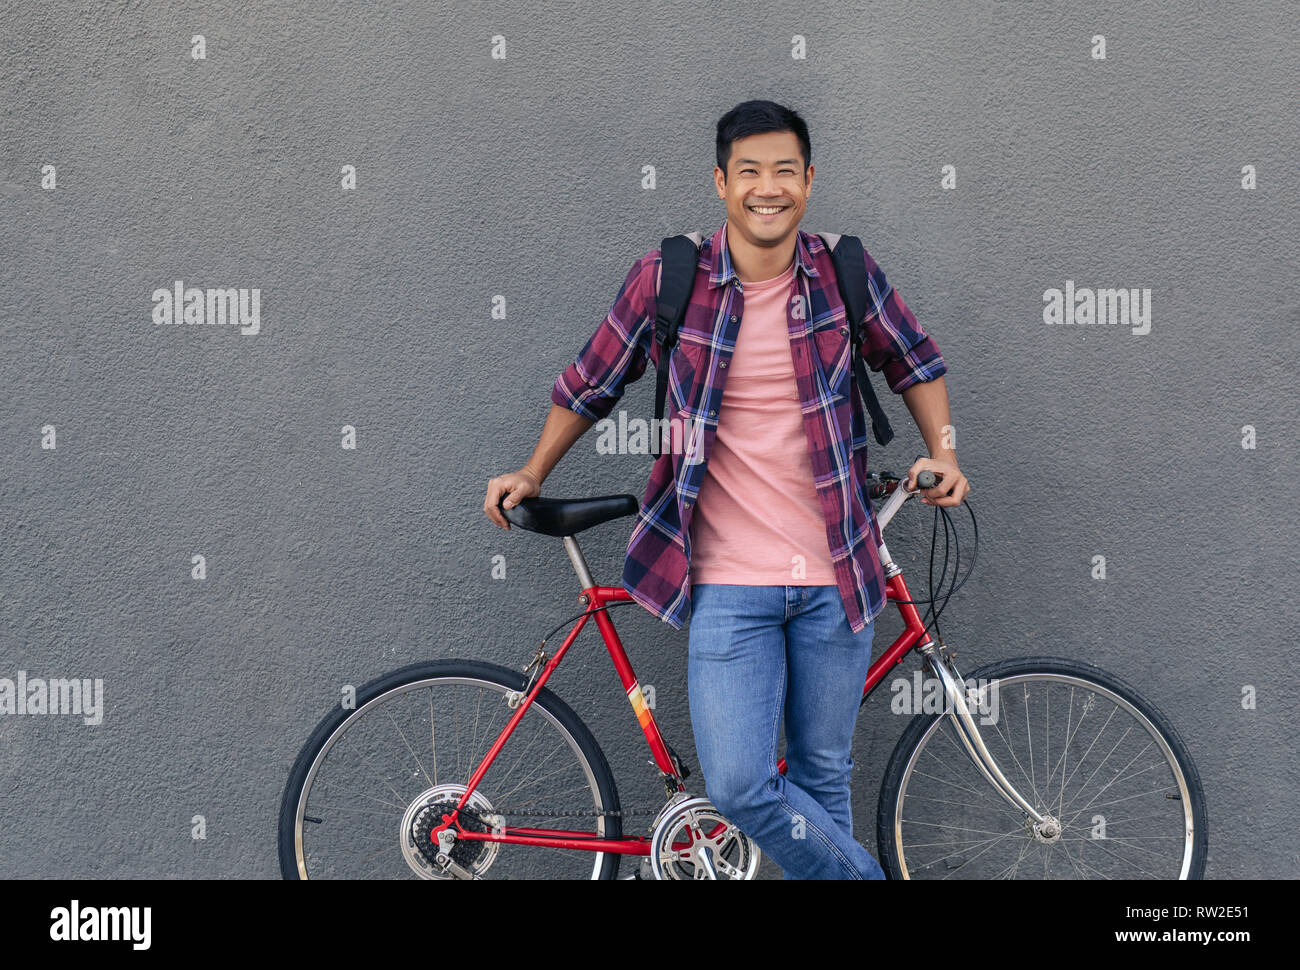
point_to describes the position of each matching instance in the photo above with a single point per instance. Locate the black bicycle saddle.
(568, 516)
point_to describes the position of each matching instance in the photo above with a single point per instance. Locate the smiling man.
(768, 543)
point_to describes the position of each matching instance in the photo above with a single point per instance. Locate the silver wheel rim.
(335, 735)
(1063, 680)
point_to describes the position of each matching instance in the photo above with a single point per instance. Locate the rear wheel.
(371, 782)
(1080, 745)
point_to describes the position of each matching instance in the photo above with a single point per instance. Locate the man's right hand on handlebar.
(511, 487)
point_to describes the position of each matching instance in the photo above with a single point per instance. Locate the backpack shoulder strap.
(850, 274)
(849, 259)
(680, 258)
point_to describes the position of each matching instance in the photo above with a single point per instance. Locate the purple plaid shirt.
(657, 570)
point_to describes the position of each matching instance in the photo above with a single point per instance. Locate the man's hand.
(514, 486)
(952, 488)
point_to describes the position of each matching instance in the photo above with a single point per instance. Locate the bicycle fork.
(1045, 827)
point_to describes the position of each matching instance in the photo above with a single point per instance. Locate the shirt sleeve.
(616, 354)
(892, 339)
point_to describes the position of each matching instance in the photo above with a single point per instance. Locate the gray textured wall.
(521, 177)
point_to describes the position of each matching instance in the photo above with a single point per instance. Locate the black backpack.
(680, 258)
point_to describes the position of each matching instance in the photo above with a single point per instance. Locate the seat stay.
(521, 703)
(594, 598)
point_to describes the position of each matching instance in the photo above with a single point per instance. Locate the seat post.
(579, 562)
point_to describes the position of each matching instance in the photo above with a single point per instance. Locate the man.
(762, 533)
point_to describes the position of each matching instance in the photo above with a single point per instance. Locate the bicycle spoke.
(1092, 745)
(1117, 801)
(433, 738)
(948, 801)
(1011, 869)
(1097, 843)
(523, 755)
(473, 741)
(542, 778)
(1027, 776)
(402, 734)
(371, 785)
(459, 773)
(1029, 734)
(983, 790)
(951, 842)
(327, 812)
(1082, 863)
(384, 779)
(1070, 731)
(1103, 788)
(544, 798)
(913, 821)
(1097, 759)
(982, 851)
(988, 842)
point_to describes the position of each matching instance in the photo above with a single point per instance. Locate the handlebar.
(887, 482)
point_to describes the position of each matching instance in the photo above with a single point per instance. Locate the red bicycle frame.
(596, 598)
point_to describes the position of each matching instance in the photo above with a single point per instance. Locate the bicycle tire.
(492, 674)
(921, 724)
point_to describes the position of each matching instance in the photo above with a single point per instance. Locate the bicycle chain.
(539, 813)
(574, 813)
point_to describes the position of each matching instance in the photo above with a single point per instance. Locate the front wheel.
(371, 781)
(1082, 747)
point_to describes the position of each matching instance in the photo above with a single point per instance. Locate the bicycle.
(956, 801)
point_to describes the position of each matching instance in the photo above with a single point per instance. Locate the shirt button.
(686, 505)
(734, 318)
(722, 363)
(712, 413)
(844, 330)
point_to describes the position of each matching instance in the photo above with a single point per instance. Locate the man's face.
(765, 172)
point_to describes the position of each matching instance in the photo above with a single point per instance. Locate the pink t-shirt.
(758, 520)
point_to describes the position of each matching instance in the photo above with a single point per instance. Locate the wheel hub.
(425, 813)
(1048, 830)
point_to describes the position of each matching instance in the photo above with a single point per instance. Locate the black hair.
(756, 117)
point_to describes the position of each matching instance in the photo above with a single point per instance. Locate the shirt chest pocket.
(834, 353)
(687, 370)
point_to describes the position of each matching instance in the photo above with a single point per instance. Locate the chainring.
(692, 840)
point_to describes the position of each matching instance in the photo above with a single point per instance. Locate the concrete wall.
(523, 178)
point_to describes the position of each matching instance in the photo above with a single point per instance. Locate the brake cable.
(956, 556)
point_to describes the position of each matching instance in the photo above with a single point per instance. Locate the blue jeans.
(759, 651)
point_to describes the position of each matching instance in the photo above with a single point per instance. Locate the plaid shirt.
(657, 570)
